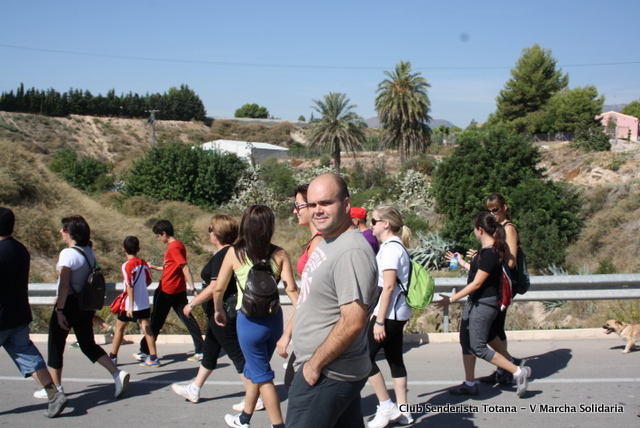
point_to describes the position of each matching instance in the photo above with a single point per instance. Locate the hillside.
(610, 182)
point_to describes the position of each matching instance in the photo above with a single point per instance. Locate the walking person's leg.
(161, 308)
(179, 302)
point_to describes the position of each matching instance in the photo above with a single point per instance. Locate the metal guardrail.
(543, 288)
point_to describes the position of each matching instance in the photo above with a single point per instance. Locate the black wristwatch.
(59, 309)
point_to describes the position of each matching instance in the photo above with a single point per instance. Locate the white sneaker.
(383, 417)
(141, 356)
(405, 418)
(195, 358)
(185, 390)
(234, 421)
(41, 393)
(240, 406)
(122, 383)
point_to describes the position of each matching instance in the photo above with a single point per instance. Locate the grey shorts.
(477, 318)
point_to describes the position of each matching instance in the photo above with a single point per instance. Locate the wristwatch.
(59, 309)
(191, 306)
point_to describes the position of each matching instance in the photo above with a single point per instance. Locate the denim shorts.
(21, 349)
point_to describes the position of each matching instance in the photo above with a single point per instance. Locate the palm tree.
(403, 110)
(339, 127)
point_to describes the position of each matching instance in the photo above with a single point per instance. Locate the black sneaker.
(491, 379)
(504, 378)
(56, 405)
(464, 389)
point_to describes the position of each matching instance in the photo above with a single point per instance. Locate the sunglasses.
(374, 221)
(298, 207)
(494, 210)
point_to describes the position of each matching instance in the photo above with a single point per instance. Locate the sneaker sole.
(45, 396)
(460, 393)
(186, 397)
(522, 388)
(237, 408)
(402, 420)
(125, 385)
(60, 409)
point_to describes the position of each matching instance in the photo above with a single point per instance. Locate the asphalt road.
(589, 381)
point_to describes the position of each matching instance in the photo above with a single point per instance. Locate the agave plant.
(556, 270)
(430, 253)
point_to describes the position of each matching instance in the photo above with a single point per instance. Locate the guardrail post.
(445, 319)
(445, 315)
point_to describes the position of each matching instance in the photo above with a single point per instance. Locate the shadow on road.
(460, 413)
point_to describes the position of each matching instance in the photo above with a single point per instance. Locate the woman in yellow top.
(257, 335)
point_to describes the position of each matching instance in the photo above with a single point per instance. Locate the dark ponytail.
(486, 221)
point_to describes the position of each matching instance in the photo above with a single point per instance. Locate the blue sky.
(284, 54)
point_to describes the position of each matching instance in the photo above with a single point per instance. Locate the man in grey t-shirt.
(338, 292)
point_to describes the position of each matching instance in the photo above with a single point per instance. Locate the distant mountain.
(613, 107)
(373, 122)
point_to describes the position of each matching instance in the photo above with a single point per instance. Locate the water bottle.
(453, 263)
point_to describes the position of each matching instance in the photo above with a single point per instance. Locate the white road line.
(415, 382)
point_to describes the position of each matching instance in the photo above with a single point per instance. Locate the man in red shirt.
(172, 291)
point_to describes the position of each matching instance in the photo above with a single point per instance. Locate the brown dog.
(628, 332)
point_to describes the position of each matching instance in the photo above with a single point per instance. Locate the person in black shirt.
(223, 231)
(15, 314)
(481, 307)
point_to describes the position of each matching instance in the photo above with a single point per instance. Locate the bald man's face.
(330, 211)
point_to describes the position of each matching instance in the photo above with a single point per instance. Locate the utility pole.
(151, 121)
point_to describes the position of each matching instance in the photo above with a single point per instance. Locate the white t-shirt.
(80, 270)
(393, 255)
(136, 273)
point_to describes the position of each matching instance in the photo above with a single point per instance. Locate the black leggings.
(162, 304)
(218, 338)
(392, 346)
(82, 323)
(497, 327)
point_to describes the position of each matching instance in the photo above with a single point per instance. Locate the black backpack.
(91, 297)
(260, 297)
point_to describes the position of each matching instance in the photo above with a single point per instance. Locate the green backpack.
(421, 285)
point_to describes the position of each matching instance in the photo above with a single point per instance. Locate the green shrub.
(361, 178)
(278, 176)
(415, 222)
(325, 161)
(82, 174)
(591, 138)
(179, 172)
(422, 163)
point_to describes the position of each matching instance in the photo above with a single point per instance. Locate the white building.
(247, 149)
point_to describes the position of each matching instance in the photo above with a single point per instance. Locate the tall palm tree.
(403, 110)
(339, 127)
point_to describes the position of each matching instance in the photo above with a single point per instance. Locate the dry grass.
(611, 231)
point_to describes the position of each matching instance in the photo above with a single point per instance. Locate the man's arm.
(189, 278)
(353, 318)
